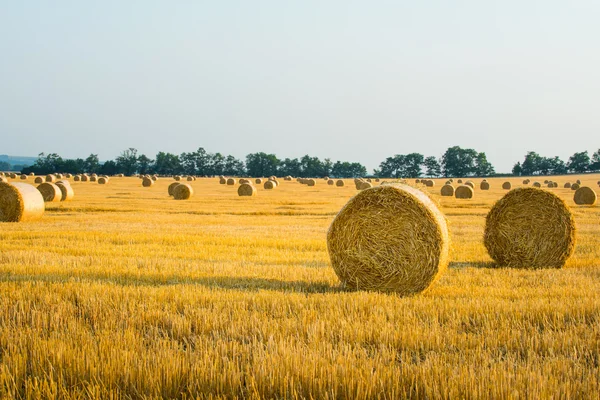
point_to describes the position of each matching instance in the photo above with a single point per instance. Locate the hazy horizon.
(344, 80)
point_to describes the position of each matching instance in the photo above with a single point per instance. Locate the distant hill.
(17, 162)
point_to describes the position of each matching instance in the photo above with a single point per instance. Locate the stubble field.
(125, 292)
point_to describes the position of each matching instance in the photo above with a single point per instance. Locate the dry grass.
(125, 292)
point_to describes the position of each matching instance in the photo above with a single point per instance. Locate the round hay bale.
(246, 189)
(485, 185)
(93, 178)
(546, 182)
(190, 179)
(231, 182)
(183, 191)
(530, 228)
(31, 174)
(76, 178)
(155, 178)
(417, 181)
(368, 180)
(177, 178)
(555, 184)
(567, 185)
(339, 183)
(364, 185)
(585, 195)
(66, 191)
(102, 180)
(13, 176)
(287, 178)
(243, 180)
(146, 182)
(575, 186)
(23, 177)
(85, 178)
(50, 178)
(222, 181)
(447, 190)
(448, 182)
(578, 182)
(506, 186)
(526, 182)
(50, 192)
(470, 184)
(537, 185)
(429, 183)
(460, 181)
(259, 181)
(20, 202)
(331, 182)
(311, 182)
(171, 187)
(390, 238)
(464, 192)
(270, 184)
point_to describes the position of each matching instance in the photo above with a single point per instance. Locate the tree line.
(455, 162)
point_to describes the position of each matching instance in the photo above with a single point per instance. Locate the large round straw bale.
(93, 178)
(460, 181)
(189, 178)
(311, 182)
(417, 181)
(59, 176)
(270, 184)
(171, 187)
(506, 186)
(537, 185)
(155, 178)
(470, 184)
(102, 180)
(368, 180)
(484, 185)
(243, 180)
(23, 177)
(3, 179)
(287, 178)
(183, 191)
(66, 191)
(331, 182)
(50, 192)
(31, 174)
(530, 228)
(76, 178)
(585, 196)
(447, 190)
(20, 202)
(526, 182)
(222, 181)
(429, 183)
(258, 181)
(339, 183)
(546, 181)
(448, 182)
(364, 185)
(50, 178)
(85, 178)
(177, 178)
(147, 182)
(578, 182)
(377, 179)
(390, 238)
(231, 181)
(246, 189)
(13, 176)
(464, 192)
(575, 186)
(567, 185)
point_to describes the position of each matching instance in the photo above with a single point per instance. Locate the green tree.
(595, 163)
(291, 167)
(261, 164)
(234, 167)
(109, 168)
(433, 167)
(393, 167)
(482, 166)
(517, 169)
(144, 164)
(457, 162)
(92, 164)
(579, 162)
(127, 162)
(167, 164)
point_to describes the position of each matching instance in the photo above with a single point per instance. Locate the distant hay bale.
(555, 184)
(311, 182)
(567, 185)
(246, 189)
(183, 191)
(448, 182)
(85, 178)
(147, 182)
(155, 178)
(485, 185)
(13, 176)
(506, 186)
(273, 178)
(391, 238)
(339, 183)
(578, 182)
(50, 178)
(31, 174)
(447, 190)
(222, 181)
(270, 184)
(429, 183)
(190, 179)
(470, 184)
(23, 177)
(66, 191)
(177, 178)
(377, 179)
(50, 192)
(526, 182)
(464, 192)
(331, 182)
(546, 182)
(20, 202)
(231, 181)
(537, 185)
(76, 178)
(243, 180)
(287, 178)
(171, 187)
(530, 228)
(102, 180)
(575, 186)
(368, 180)
(460, 181)
(417, 181)
(93, 178)
(258, 181)
(364, 185)
(585, 195)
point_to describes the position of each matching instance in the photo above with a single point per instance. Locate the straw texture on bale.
(23, 177)
(470, 184)
(258, 181)
(417, 181)
(530, 228)
(585, 196)
(13, 176)
(85, 178)
(464, 192)
(506, 186)
(171, 187)
(95, 178)
(243, 180)
(50, 178)
(526, 182)
(147, 182)
(537, 185)
(575, 186)
(447, 190)
(390, 238)
(66, 191)
(484, 185)
(429, 183)
(331, 182)
(177, 178)
(311, 182)
(270, 184)
(3, 179)
(50, 192)
(102, 180)
(183, 191)
(339, 183)
(246, 189)
(39, 179)
(76, 178)
(222, 181)
(364, 185)
(231, 182)
(20, 202)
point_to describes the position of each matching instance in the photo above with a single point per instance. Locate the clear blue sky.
(349, 80)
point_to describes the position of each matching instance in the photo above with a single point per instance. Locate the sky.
(349, 80)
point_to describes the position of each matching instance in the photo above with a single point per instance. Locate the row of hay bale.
(393, 238)
(336, 183)
(56, 191)
(188, 178)
(100, 179)
(362, 184)
(307, 181)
